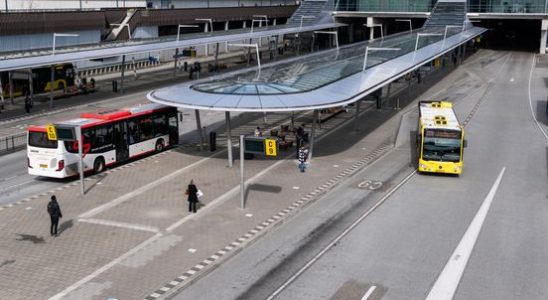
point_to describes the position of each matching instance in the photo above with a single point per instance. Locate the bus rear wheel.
(99, 165)
(160, 145)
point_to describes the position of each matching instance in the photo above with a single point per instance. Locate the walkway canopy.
(320, 80)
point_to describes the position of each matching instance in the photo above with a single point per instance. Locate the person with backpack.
(54, 212)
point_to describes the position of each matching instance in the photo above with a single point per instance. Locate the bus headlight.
(457, 169)
(424, 167)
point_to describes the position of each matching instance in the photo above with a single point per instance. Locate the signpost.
(271, 147)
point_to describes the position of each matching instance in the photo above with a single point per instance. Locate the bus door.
(121, 141)
(173, 129)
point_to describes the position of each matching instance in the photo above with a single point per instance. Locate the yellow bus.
(440, 138)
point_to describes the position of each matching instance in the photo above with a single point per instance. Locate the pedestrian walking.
(192, 192)
(303, 155)
(54, 212)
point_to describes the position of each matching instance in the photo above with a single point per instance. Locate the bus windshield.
(442, 145)
(40, 140)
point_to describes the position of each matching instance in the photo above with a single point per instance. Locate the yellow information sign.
(270, 147)
(52, 133)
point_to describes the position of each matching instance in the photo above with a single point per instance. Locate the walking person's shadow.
(65, 225)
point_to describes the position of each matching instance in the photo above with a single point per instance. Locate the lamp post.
(375, 25)
(367, 49)
(335, 33)
(445, 33)
(407, 20)
(55, 35)
(126, 26)
(207, 21)
(8, 11)
(183, 26)
(417, 41)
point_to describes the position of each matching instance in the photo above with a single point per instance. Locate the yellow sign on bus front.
(270, 147)
(52, 133)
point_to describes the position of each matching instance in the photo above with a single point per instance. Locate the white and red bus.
(110, 137)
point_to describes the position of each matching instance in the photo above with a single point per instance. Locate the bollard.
(12, 143)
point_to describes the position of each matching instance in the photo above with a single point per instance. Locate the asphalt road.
(401, 248)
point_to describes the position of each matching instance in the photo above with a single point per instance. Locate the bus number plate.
(43, 166)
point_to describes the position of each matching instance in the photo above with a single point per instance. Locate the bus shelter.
(320, 80)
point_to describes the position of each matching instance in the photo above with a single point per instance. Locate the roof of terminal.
(319, 80)
(72, 54)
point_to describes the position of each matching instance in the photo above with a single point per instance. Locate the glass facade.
(481, 6)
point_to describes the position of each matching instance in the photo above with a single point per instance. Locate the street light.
(183, 26)
(367, 49)
(376, 25)
(332, 33)
(256, 49)
(407, 20)
(302, 18)
(207, 21)
(55, 35)
(445, 33)
(126, 26)
(417, 41)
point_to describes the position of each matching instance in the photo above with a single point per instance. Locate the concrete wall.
(68, 4)
(27, 43)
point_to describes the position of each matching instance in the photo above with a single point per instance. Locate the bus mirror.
(465, 144)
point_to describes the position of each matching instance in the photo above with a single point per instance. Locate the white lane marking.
(369, 292)
(339, 237)
(141, 190)
(120, 224)
(449, 279)
(105, 267)
(531, 101)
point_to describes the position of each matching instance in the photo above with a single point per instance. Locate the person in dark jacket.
(192, 192)
(54, 212)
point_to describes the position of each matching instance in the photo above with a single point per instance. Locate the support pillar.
(357, 114)
(51, 83)
(543, 36)
(199, 127)
(265, 120)
(463, 53)
(10, 82)
(175, 63)
(226, 43)
(388, 90)
(216, 58)
(31, 87)
(370, 21)
(312, 133)
(122, 74)
(1, 94)
(228, 138)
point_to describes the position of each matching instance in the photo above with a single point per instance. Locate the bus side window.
(146, 128)
(160, 125)
(133, 132)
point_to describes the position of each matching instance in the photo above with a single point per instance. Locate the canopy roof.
(72, 54)
(319, 80)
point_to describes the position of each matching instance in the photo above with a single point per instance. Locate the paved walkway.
(131, 236)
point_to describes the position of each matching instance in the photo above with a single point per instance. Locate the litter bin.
(115, 86)
(212, 141)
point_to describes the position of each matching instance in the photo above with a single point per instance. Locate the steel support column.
(228, 138)
(2, 94)
(357, 114)
(122, 74)
(51, 83)
(31, 87)
(199, 127)
(10, 82)
(312, 133)
(175, 63)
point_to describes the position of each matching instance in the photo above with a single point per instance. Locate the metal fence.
(13, 143)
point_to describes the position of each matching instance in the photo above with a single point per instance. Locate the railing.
(515, 8)
(13, 142)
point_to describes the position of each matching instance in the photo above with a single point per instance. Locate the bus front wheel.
(159, 145)
(99, 165)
